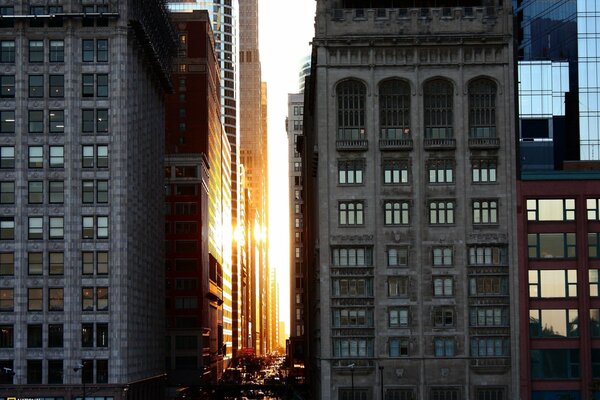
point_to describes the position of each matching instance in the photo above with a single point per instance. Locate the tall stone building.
(81, 182)
(410, 164)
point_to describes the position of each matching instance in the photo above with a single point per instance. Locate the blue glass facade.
(559, 94)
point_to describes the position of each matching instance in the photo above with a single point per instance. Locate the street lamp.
(381, 373)
(78, 368)
(351, 366)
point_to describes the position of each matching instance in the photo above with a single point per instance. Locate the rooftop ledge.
(424, 13)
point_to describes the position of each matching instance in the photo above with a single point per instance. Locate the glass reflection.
(553, 323)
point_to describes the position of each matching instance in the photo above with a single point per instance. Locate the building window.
(397, 286)
(57, 51)
(7, 157)
(399, 394)
(87, 335)
(354, 394)
(360, 287)
(87, 191)
(36, 157)
(485, 212)
(36, 86)
(7, 51)
(488, 286)
(6, 300)
(56, 300)
(100, 49)
(102, 299)
(55, 372)
(443, 286)
(441, 212)
(592, 209)
(558, 283)
(351, 212)
(396, 213)
(87, 227)
(440, 171)
(87, 263)
(7, 86)
(351, 95)
(438, 109)
(7, 192)
(595, 322)
(7, 11)
(353, 347)
(7, 264)
(87, 85)
(35, 299)
(443, 347)
(87, 299)
(57, 157)
(36, 121)
(56, 120)
(36, 228)
(350, 172)
(593, 277)
(488, 316)
(489, 347)
(490, 394)
(482, 109)
(7, 228)
(551, 245)
(443, 317)
(395, 172)
(441, 256)
(34, 336)
(397, 256)
(101, 335)
(551, 209)
(554, 363)
(398, 317)
(483, 171)
(488, 255)
(398, 347)
(57, 228)
(352, 317)
(34, 371)
(352, 256)
(36, 51)
(101, 371)
(35, 263)
(102, 227)
(7, 121)
(394, 109)
(57, 86)
(57, 263)
(553, 323)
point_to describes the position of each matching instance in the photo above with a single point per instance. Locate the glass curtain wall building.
(559, 95)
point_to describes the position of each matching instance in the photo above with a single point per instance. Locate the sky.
(286, 28)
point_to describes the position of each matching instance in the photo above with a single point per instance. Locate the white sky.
(286, 27)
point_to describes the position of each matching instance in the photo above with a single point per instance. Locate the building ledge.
(395, 144)
(439, 144)
(484, 143)
(352, 145)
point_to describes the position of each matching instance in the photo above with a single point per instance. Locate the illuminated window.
(553, 323)
(558, 283)
(551, 209)
(551, 245)
(351, 212)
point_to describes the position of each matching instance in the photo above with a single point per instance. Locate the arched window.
(351, 110)
(394, 109)
(438, 109)
(482, 109)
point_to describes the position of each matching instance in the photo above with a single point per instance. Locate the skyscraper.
(409, 176)
(81, 176)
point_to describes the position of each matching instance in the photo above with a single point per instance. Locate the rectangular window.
(553, 323)
(443, 286)
(441, 212)
(483, 171)
(7, 51)
(87, 227)
(353, 347)
(7, 11)
(55, 20)
(442, 256)
(87, 156)
(551, 209)
(102, 299)
(7, 264)
(87, 121)
(592, 209)
(6, 300)
(87, 191)
(87, 299)
(102, 120)
(34, 371)
(102, 85)
(57, 85)
(36, 51)
(400, 394)
(7, 157)
(36, 86)
(34, 336)
(558, 283)
(102, 50)
(7, 192)
(55, 372)
(351, 212)
(87, 85)
(7, 86)
(36, 22)
(7, 228)
(36, 121)
(398, 347)
(87, 335)
(443, 317)
(102, 227)
(57, 263)
(595, 322)
(440, 171)
(551, 245)
(554, 363)
(57, 157)
(57, 228)
(397, 256)
(35, 299)
(352, 317)
(352, 256)
(56, 120)
(490, 347)
(87, 262)
(397, 286)
(35, 263)
(443, 347)
(102, 156)
(593, 277)
(350, 172)
(488, 286)
(87, 50)
(398, 317)
(7, 121)
(101, 335)
(56, 300)
(488, 255)
(102, 262)
(359, 287)
(35, 228)
(396, 213)
(488, 316)
(395, 172)
(485, 212)
(101, 368)
(57, 51)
